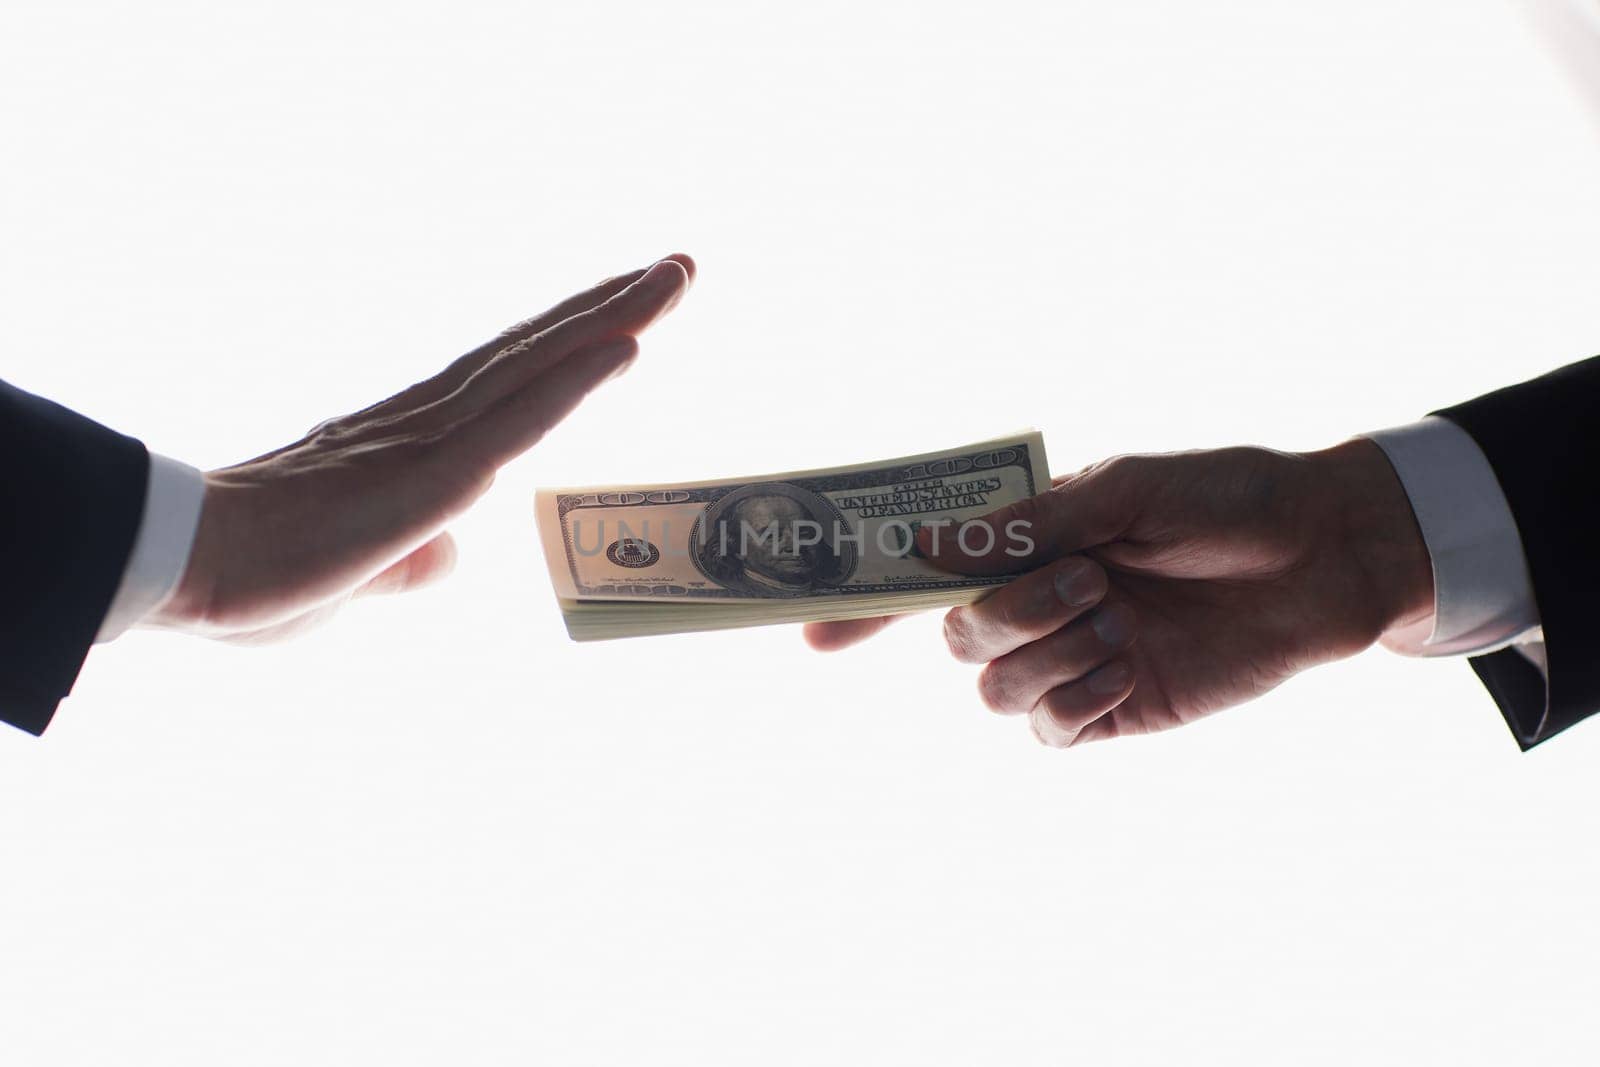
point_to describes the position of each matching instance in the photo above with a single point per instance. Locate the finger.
(627, 314)
(686, 261)
(576, 305)
(631, 311)
(1082, 511)
(425, 565)
(1016, 682)
(452, 377)
(832, 636)
(1104, 728)
(1076, 711)
(1024, 610)
(509, 427)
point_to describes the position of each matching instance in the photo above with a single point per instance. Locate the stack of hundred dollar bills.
(837, 543)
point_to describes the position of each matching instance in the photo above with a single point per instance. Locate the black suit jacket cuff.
(71, 502)
(1540, 438)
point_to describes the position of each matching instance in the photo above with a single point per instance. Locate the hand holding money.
(835, 543)
(1167, 587)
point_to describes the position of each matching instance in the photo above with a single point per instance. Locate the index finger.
(626, 314)
(575, 305)
(455, 374)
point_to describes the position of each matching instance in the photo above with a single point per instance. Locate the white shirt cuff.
(1482, 593)
(172, 502)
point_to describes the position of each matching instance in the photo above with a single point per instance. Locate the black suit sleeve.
(1542, 439)
(71, 500)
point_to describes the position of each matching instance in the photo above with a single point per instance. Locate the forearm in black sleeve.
(1542, 438)
(71, 500)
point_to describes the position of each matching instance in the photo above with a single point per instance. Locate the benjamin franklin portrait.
(751, 542)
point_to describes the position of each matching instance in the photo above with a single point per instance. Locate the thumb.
(1079, 512)
(421, 567)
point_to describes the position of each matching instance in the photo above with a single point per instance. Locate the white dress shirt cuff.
(172, 502)
(1483, 595)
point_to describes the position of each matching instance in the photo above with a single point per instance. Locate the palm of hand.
(359, 504)
(1206, 644)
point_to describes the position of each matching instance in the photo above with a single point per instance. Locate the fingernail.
(1113, 624)
(1078, 583)
(938, 538)
(1047, 730)
(689, 274)
(660, 270)
(1112, 678)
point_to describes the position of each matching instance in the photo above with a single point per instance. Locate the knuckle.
(518, 348)
(994, 690)
(954, 637)
(519, 330)
(1119, 468)
(1006, 614)
(329, 428)
(959, 636)
(344, 427)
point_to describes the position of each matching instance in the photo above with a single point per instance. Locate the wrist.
(1376, 541)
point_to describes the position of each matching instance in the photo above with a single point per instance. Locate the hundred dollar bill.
(806, 545)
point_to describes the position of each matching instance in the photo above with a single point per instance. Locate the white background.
(438, 832)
